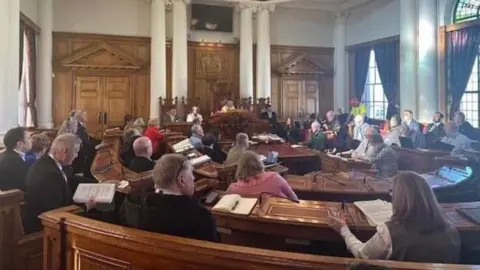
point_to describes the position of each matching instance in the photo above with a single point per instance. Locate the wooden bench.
(17, 250)
(75, 242)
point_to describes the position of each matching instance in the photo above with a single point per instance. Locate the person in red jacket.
(154, 134)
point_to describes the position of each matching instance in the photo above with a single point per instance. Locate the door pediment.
(300, 65)
(101, 56)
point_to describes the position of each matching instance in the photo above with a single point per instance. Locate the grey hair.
(167, 168)
(196, 128)
(241, 140)
(65, 141)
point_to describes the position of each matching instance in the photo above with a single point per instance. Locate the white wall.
(376, 20)
(296, 27)
(445, 11)
(29, 8)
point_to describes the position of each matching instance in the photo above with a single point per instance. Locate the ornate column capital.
(341, 16)
(266, 6)
(246, 5)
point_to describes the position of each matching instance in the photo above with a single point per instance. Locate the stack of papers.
(200, 160)
(182, 146)
(377, 211)
(99, 193)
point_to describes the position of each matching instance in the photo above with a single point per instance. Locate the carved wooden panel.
(92, 261)
(88, 96)
(81, 59)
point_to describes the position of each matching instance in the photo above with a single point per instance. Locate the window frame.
(474, 4)
(463, 102)
(369, 94)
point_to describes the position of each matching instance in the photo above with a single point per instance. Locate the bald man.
(47, 183)
(143, 151)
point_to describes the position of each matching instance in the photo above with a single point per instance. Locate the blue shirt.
(196, 141)
(30, 158)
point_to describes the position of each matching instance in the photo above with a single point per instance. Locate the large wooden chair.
(18, 251)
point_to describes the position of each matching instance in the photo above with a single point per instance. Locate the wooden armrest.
(31, 237)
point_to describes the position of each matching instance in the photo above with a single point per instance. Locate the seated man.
(317, 141)
(269, 114)
(455, 138)
(143, 151)
(464, 127)
(47, 183)
(171, 117)
(13, 169)
(197, 135)
(126, 152)
(411, 123)
(228, 106)
(436, 129)
(359, 128)
(211, 148)
(194, 115)
(396, 131)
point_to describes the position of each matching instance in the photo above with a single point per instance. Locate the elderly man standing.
(455, 138)
(197, 135)
(317, 141)
(143, 151)
(194, 115)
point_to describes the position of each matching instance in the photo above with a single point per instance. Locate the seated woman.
(171, 208)
(252, 180)
(417, 231)
(40, 144)
(293, 131)
(154, 134)
(228, 106)
(139, 124)
(397, 130)
(241, 145)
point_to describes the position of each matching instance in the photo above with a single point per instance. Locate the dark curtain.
(462, 49)
(22, 29)
(361, 60)
(31, 94)
(386, 55)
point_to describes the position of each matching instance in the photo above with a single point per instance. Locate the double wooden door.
(304, 95)
(106, 100)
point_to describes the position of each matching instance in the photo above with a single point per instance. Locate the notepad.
(235, 204)
(182, 146)
(200, 160)
(377, 211)
(101, 193)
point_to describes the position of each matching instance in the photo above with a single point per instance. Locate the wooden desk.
(75, 242)
(418, 160)
(450, 184)
(331, 163)
(299, 160)
(281, 224)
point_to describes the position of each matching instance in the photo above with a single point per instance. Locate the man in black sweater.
(13, 169)
(143, 151)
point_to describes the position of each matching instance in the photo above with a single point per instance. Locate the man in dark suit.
(411, 123)
(47, 186)
(464, 127)
(269, 114)
(436, 128)
(87, 150)
(212, 149)
(13, 169)
(143, 151)
(171, 117)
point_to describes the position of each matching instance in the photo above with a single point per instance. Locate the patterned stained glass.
(466, 10)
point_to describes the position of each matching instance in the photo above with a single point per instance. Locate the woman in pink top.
(252, 180)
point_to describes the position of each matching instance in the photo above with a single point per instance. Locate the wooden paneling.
(302, 79)
(102, 74)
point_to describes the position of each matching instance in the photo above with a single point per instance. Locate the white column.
(180, 49)
(9, 64)
(246, 50)
(264, 78)
(408, 45)
(44, 65)
(158, 65)
(427, 60)
(340, 94)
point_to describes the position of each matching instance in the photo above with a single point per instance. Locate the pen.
(343, 206)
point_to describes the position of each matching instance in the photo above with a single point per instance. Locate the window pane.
(374, 97)
(469, 103)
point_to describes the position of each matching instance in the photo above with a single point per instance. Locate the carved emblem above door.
(211, 64)
(101, 56)
(301, 65)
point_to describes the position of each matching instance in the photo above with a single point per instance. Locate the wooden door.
(292, 96)
(310, 96)
(116, 100)
(106, 99)
(89, 97)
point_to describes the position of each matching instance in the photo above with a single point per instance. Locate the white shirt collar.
(437, 123)
(21, 154)
(408, 121)
(167, 192)
(56, 162)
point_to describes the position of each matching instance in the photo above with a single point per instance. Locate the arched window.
(466, 10)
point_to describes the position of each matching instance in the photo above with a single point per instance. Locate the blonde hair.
(77, 114)
(250, 164)
(70, 125)
(241, 140)
(415, 205)
(39, 142)
(167, 168)
(154, 122)
(139, 122)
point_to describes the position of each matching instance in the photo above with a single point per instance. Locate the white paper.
(200, 160)
(244, 206)
(182, 146)
(377, 211)
(296, 145)
(100, 193)
(235, 204)
(227, 202)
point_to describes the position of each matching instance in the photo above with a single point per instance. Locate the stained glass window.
(466, 10)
